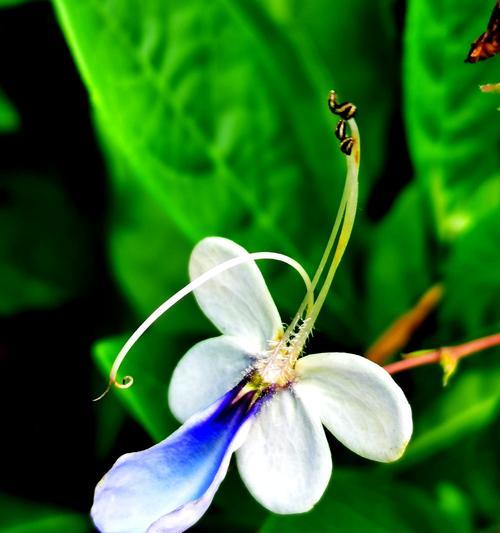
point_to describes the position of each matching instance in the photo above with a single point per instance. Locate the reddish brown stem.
(490, 88)
(435, 356)
(397, 335)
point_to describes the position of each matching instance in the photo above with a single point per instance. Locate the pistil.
(276, 367)
(344, 223)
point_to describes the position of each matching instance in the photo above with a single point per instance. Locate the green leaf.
(233, 508)
(471, 467)
(43, 256)
(456, 505)
(12, 3)
(478, 457)
(20, 516)
(9, 118)
(298, 37)
(397, 270)
(148, 251)
(110, 417)
(468, 404)
(150, 364)
(453, 130)
(152, 84)
(470, 308)
(53, 524)
(202, 111)
(360, 501)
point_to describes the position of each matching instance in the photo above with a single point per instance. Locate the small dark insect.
(488, 43)
(346, 145)
(340, 130)
(345, 110)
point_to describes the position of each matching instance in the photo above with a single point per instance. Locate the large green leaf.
(21, 516)
(205, 109)
(315, 49)
(456, 505)
(150, 364)
(12, 3)
(470, 308)
(452, 128)
(481, 479)
(233, 508)
(43, 257)
(9, 118)
(398, 270)
(359, 501)
(466, 405)
(176, 110)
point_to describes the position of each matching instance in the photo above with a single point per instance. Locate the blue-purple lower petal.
(168, 487)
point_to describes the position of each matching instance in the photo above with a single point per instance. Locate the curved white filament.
(190, 287)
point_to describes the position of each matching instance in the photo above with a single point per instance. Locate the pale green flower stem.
(348, 222)
(344, 222)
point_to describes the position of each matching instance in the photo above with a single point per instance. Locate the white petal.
(285, 461)
(237, 301)
(358, 402)
(207, 371)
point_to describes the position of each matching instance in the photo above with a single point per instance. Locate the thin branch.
(490, 88)
(443, 355)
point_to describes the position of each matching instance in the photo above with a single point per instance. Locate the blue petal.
(173, 482)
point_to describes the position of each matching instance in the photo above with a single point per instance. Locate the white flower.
(251, 392)
(285, 460)
(245, 391)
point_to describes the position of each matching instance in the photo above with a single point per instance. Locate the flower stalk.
(447, 356)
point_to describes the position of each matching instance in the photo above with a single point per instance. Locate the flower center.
(277, 365)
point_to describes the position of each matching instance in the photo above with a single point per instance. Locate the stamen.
(190, 287)
(346, 213)
(348, 219)
(346, 145)
(326, 254)
(346, 110)
(340, 130)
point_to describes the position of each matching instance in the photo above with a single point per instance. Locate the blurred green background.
(130, 129)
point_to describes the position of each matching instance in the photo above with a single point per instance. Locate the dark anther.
(332, 101)
(346, 145)
(340, 130)
(345, 110)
